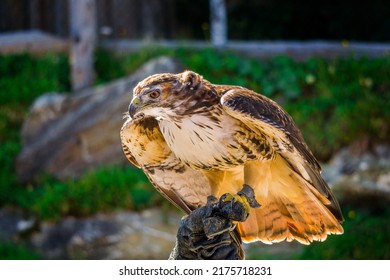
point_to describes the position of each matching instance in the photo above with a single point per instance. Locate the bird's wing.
(145, 147)
(297, 202)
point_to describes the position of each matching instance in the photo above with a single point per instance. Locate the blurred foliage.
(110, 66)
(23, 77)
(366, 236)
(11, 251)
(104, 189)
(334, 102)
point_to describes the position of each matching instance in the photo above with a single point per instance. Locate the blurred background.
(67, 69)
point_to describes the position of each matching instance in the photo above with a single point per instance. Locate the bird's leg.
(209, 232)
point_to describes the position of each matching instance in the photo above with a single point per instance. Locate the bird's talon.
(227, 197)
(233, 207)
(236, 199)
(249, 194)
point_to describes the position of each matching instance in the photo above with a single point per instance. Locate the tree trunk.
(83, 36)
(218, 23)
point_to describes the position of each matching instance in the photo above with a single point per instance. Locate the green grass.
(333, 102)
(24, 77)
(104, 189)
(11, 251)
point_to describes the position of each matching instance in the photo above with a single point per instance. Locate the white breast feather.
(196, 139)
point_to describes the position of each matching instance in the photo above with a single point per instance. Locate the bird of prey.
(193, 139)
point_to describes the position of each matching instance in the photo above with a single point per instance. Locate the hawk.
(194, 139)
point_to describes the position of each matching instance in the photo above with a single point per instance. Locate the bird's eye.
(154, 94)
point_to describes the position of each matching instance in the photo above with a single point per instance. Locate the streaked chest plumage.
(210, 141)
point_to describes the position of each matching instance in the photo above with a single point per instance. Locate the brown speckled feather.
(298, 203)
(266, 114)
(193, 139)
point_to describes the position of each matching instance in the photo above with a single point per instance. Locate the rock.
(149, 234)
(65, 135)
(371, 186)
(123, 235)
(43, 111)
(14, 224)
(360, 176)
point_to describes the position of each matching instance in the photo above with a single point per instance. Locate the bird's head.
(162, 95)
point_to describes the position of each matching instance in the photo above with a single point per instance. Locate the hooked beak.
(134, 107)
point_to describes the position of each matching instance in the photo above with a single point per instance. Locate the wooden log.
(218, 23)
(34, 42)
(83, 26)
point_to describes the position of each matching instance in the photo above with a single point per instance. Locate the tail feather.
(291, 208)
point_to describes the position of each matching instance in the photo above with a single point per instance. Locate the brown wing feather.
(145, 147)
(267, 111)
(296, 201)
